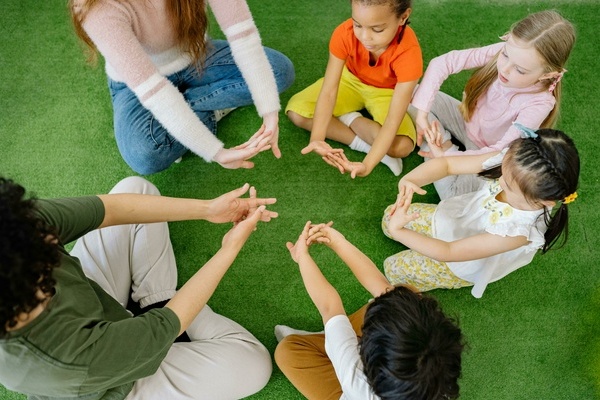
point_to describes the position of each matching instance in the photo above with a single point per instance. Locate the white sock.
(395, 164)
(348, 118)
(282, 331)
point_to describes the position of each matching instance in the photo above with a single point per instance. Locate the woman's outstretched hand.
(238, 156)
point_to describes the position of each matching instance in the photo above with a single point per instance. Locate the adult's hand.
(230, 207)
(237, 157)
(271, 123)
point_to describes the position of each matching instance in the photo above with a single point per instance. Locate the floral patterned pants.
(410, 267)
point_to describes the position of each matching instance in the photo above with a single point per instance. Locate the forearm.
(379, 149)
(428, 172)
(195, 293)
(323, 114)
(321, 292)
(430, 247)
(140, 209)
(367, 273)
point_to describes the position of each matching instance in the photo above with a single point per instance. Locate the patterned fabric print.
(421, 224)
(497, 209)
(410, 267)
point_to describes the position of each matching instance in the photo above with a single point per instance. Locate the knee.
(299, 120)
(135, 184)
(260, 369)
(401, 147)
(283, 355)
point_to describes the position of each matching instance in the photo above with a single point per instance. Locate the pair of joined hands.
(336, 158)
(267, 137)
(433, 136)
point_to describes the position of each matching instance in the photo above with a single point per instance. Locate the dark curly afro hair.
(28, 254)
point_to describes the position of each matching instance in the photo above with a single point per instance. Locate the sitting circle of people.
(106, 320)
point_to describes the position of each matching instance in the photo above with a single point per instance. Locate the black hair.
(28, 254)
(409, 348)
(547, 169)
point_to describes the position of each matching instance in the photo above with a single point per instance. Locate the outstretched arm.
(140, 208)
(321, 292)
(195, 293)
(367, 273)
(470, 248)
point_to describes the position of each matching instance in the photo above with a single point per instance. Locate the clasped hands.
(313, 233)
(336, 158)
(267, 137)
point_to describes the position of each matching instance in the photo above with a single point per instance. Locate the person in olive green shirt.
(66, 332)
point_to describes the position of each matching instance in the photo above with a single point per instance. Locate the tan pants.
(303, 360)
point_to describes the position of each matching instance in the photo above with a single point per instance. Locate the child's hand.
(324, 233)
(320, 147)
(357, 169)
(434, 138)
(399, 216)
(336, 158)
(404, 187)
(422, 123)
(300, 248)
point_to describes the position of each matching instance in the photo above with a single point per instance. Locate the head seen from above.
(410, 348)
(376, 22)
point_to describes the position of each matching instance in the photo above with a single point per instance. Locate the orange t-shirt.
(400, 62)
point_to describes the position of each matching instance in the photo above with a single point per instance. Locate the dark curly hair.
(28, 254)
(409, 348)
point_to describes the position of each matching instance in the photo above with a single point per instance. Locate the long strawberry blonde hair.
(552, 36)
(187, 16)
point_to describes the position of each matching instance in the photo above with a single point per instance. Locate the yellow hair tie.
(570, 198)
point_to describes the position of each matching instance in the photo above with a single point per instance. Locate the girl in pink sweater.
(167, 78)
(517, 80)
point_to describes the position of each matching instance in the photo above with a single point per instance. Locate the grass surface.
(534, 335)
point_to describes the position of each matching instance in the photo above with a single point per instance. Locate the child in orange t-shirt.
(374, 63)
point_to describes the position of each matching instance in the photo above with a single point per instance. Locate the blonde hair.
(551, 36)
(187, 16)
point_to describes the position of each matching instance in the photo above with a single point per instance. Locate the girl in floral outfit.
(480, 237)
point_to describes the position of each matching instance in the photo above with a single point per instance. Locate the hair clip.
(570, 198)
(556, 80)
(526, 133)
(504, 37)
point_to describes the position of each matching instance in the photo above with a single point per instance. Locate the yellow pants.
(410, 267)
(353, 95)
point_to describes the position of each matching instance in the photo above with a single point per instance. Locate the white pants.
(445, 110)
(222, 361)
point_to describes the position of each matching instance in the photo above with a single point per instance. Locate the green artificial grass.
(534, 335)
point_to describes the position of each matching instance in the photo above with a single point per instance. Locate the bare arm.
(471, 248)
(398, 106)
(367, 273)
(327, 98)
(195, 293)
(140, 208)
(321, 292)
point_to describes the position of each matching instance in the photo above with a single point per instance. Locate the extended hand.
(229, 207)
(238, 156)
(271, 122)
(434, 137)
(300, 248)
(399, 215)
(237, 236)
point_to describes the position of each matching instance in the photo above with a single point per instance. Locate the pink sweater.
(140, 49)
(491, 126)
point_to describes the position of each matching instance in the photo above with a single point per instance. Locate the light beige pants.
(222, 361)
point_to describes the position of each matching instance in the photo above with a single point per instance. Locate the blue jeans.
(146, 146)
